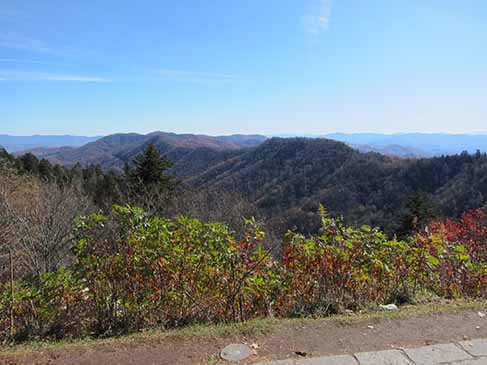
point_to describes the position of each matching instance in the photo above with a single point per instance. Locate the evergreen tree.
(29, 163)
(45, 169)
(150, 168)
(7, 161)
(107, 190)
(148, 181)
(60, 174)
(419, 212)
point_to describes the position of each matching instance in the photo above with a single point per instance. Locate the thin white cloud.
(19, 42)
(32, 76)
(318, 20)
(22, 61)
(192, 76)
(54, 77)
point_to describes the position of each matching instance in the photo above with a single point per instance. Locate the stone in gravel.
(437, 354)
(235, 352)
(389, 357)
(475, 347)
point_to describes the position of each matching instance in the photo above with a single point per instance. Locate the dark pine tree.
(7, 161)
(149, 184)
(45, 169)
(419, 212)
(150, 169)
(29, 163)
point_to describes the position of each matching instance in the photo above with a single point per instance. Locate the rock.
(389, 307)
(235, 352)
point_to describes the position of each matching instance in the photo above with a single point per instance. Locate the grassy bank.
(245, 330)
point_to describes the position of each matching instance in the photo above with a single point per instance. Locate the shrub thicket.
(133, 271)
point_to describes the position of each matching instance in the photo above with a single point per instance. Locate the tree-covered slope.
(190, 154)
(288, 178)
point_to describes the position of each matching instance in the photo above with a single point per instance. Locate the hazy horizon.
(250, 133)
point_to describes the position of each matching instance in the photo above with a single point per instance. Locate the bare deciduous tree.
(36, 220)
(210, 205)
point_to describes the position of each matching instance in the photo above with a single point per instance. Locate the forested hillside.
(114, 151)
(285, 180)
(288, 178)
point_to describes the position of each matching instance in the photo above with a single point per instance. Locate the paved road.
(472, 352)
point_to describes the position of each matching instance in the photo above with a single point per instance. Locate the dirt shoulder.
(276, 339)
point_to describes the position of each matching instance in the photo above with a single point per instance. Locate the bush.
(133, 271)
(342, 268)
(171, 273)
(50, 307)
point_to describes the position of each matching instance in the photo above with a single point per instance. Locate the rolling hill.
(288, 178)
(190, 154)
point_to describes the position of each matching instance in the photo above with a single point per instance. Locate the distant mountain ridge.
(401, 144)
(191, 154)
(21, 143)
(393, 150)
(414, 144)
(286, 178)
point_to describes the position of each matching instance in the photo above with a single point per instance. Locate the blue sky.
(95, 67)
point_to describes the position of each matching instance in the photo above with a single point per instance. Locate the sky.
(96, 67)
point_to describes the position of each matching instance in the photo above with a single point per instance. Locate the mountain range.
(408, 145)
(287, 178)
(22, 143)
(191, 154)
(414, 144)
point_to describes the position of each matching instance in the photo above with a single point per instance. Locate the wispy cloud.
(34, 76)
(17, 41)
(26, 61)
(192, 76)
(55, 77)
(318, 20)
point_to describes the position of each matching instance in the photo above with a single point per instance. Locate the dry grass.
(247, 329)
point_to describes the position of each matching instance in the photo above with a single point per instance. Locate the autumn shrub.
(348, 268)
(459, 248)
(51, 306)
(342, 268)
(171, 273)
(132, 271)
